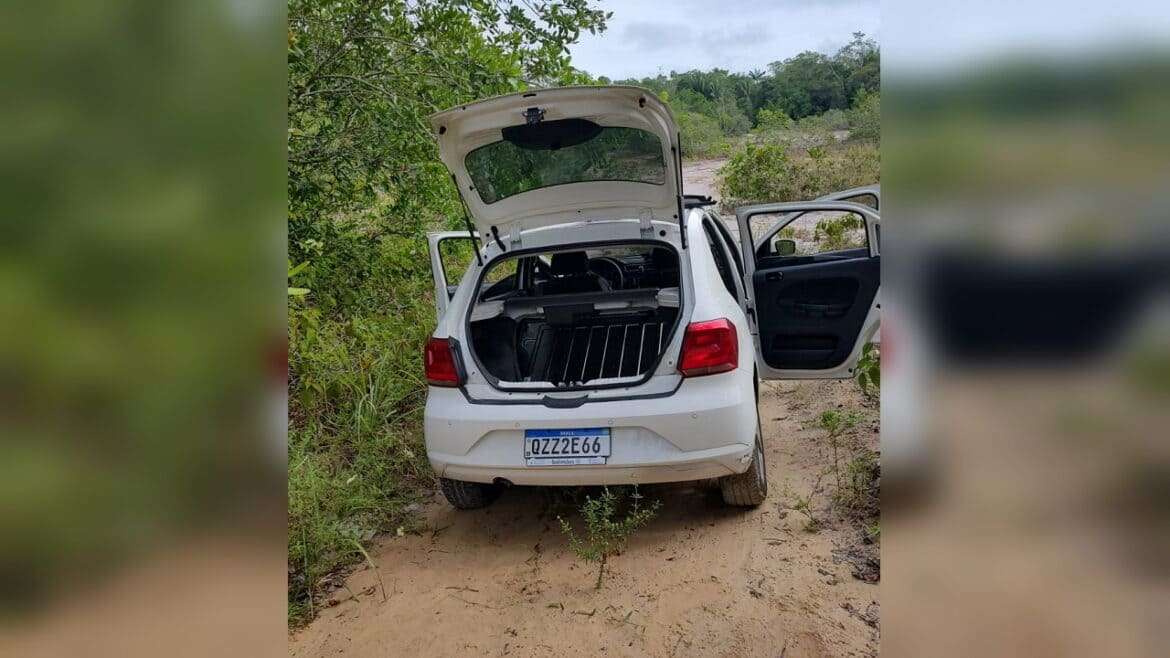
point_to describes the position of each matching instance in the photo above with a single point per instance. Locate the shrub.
(606, 536)
(859, 493)
(865, 118)
(838, 233)
(869, 370)
(772, 172)
(773, 120)
(701, 135)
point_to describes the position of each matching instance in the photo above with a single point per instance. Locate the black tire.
(468, 495)
(750, 488)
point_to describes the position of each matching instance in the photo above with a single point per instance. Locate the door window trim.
(717, 245)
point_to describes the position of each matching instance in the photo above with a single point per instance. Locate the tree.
(364, 74)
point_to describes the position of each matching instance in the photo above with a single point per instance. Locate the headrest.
(663, 259)
(569, 263)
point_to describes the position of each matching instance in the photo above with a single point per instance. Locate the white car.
(610, 330)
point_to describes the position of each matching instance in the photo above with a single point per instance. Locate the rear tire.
(468, 495)
(750, 488)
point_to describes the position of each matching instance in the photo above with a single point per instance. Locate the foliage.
(809, 84)
(857, 484)
(836, 423)
(701, 135)
(364, 184)
(356, 459)
(804, 504)
(857, 494)
(838, 233)
(771, 120)
(141, 180)
(364, 74)
(772, 172)
(865, 117)
(869, 370)
(606, 535)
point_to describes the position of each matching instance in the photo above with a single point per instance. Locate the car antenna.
(475, 243)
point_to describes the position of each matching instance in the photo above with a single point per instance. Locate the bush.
(771, 173)
(701, 135)
(865, 118)
(839, 233)
(869, 370)
(773, 120)
(605, 535)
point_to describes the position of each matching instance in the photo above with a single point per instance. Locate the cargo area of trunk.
(577, 318)
(581, 348)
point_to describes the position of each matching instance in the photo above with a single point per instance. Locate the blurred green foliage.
(142, 178)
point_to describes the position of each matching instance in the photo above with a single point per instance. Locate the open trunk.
(606, 320)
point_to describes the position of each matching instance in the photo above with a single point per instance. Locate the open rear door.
(813, 273)
(451, 253)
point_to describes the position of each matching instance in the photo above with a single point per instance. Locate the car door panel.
(811, 315)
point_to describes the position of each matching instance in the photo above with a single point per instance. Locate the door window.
(456, 255)
(812, 233)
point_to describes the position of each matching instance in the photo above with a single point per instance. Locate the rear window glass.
(503, 169)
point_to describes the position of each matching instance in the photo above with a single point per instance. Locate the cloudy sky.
(648, 36)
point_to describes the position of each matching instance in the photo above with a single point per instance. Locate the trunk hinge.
(514, 235)
(644, 222)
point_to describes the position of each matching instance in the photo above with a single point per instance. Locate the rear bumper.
(705, 430)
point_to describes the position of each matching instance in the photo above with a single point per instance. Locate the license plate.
(572, 447)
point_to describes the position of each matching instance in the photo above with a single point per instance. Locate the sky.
(645, 37)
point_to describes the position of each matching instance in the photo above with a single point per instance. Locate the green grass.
(356, 393)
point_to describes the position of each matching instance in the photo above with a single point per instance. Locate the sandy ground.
(699, 176)
(700, 580)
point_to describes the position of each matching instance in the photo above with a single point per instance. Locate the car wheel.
(468, 495)
(750, 488)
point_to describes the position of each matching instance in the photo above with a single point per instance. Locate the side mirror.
(785, 247)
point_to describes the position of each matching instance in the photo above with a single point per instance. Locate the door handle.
(773, 276)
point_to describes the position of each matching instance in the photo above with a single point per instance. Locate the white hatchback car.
(609, 329)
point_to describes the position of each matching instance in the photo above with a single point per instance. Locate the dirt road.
(699, 176)
(699, 580)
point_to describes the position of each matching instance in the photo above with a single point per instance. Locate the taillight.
(440, 363)
(709, 347)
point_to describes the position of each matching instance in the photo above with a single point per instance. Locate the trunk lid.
(554, 156)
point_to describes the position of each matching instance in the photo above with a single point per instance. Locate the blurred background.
(142, 358)
(1026, 351)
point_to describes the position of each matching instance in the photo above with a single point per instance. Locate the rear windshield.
(503, 169)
